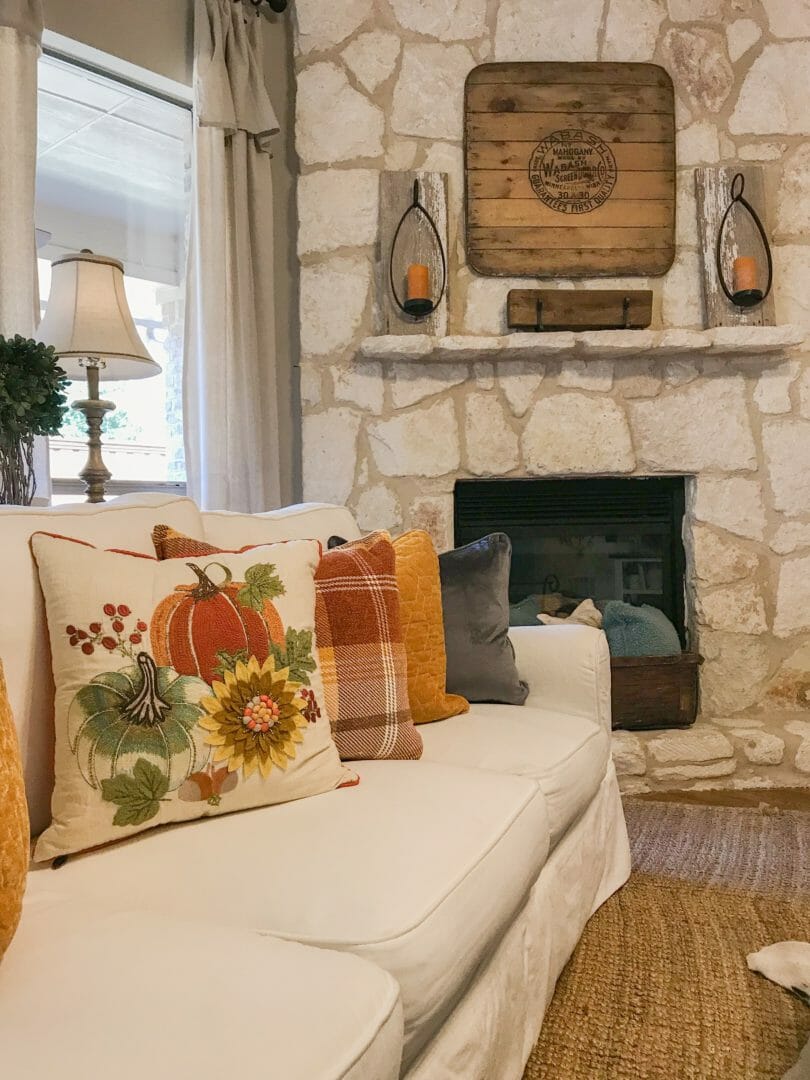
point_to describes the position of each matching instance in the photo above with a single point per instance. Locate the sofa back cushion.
(124, 523)
(306, 521)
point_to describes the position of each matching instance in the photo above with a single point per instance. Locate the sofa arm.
(567, 669)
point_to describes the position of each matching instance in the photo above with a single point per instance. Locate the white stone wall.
(380, 86)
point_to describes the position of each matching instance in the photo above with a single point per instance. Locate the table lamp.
(90, 326)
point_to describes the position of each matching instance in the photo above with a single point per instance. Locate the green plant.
(32, 402)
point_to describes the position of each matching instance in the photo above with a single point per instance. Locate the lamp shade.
(88, 317)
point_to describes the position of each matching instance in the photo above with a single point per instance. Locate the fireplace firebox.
(603, 538)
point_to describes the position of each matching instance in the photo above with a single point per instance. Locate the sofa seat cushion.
(100, 994)
(420, 868)
(566, 755)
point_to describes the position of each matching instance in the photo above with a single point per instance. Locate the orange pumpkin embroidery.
(196, 624)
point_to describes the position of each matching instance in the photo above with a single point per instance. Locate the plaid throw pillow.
(360, 643)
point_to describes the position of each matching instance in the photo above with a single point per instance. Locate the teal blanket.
(640, 630)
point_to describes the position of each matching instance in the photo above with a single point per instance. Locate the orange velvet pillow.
(13, 824)
(420, 602)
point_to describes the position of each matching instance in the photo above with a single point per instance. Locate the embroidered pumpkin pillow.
(183, 689)
(13, 824)
(359, 635)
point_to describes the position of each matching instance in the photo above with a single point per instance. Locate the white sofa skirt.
(491, 1032)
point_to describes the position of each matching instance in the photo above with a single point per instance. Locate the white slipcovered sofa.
(414, 925)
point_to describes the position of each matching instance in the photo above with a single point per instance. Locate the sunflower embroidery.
(256, 718)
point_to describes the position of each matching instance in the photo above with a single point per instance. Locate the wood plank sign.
(570, 169)
(578, 309)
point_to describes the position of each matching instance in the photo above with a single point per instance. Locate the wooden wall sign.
(740, 237)
(578, 309)
(570, 169)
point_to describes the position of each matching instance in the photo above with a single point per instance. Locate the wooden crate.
(654, 691)
(570, 169)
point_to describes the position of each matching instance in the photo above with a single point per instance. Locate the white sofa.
(414, 925)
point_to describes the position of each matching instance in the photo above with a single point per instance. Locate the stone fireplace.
(391, 424)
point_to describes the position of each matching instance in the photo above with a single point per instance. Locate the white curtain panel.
(20, 35)
(230, 399)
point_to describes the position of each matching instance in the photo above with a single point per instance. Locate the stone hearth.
(389, 429)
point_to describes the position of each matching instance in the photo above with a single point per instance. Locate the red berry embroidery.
(96, 635)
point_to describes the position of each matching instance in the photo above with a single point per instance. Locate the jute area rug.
(658, 988)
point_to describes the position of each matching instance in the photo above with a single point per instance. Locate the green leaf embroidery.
(261, 583)
(137, 795)
(227, 661)
(296, 655)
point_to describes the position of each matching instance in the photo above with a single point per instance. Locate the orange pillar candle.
(745, 273)
(418, 282)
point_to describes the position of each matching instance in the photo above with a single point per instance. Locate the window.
(113, 176)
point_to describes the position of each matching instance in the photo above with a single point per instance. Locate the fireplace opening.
(599, 538)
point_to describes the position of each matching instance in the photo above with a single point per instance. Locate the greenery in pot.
(32, 402)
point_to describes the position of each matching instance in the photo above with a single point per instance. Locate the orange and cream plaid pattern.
(362, 651)
(359, 636)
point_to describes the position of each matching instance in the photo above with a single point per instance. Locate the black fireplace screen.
(597, 538)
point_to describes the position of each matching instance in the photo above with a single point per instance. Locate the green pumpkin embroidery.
(140, 716)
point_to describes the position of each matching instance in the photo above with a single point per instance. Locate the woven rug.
(658, 988)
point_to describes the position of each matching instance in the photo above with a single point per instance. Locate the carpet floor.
(658, 988)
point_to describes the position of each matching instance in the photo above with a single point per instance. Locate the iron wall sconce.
(418, 303)
(745, 292)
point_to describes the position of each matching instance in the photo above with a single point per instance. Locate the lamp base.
(95, 473)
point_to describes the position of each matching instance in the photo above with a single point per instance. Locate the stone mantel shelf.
(731, 341)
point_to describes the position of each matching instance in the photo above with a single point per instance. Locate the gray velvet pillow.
(475, 605)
